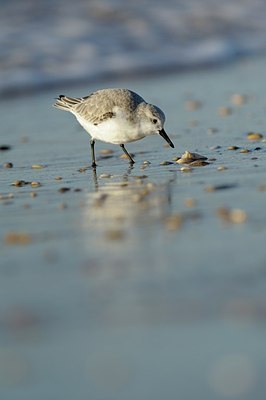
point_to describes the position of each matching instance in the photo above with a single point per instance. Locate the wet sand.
(136, 282)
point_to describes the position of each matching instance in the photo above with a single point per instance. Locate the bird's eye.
(154, 121)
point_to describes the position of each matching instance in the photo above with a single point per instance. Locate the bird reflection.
(127, 174)
(95, 178)
(125, 177)
(120, 202)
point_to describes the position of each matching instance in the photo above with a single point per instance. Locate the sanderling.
(116, 116)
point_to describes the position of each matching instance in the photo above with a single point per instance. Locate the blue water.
(48, 42)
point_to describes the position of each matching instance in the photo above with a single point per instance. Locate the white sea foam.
(46, 42)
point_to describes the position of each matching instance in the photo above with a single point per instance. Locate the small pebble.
(19, 183)
(211, 131)
(58, 178)
(238, 99)
(254, 136)
(235, 216)
(192, 105)
(5, 147)
(106, 151)
(35, 184)
(217, 147)
(105, 176)
(33, 194)
(8, 165)
(222, 168)
(13, 238)
(166, 163)
(174, 222)
(214, 188)
(37, 166)
(232, 148)
(146, 162)
(190, 202)
(63, 189)
(224, 111)
(115, 234)
(244, 151)
(210, 188)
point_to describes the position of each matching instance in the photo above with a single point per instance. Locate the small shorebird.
(115, 116)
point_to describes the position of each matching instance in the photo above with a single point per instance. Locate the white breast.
(116, 130)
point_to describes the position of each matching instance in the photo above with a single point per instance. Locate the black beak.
(166, 137)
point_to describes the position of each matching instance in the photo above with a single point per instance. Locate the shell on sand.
(189, 157)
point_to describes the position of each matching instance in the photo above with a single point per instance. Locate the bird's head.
(151, 119)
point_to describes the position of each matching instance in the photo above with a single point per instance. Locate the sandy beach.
(143, 282)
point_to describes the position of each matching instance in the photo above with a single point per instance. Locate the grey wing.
(91, 112)
(99, 105)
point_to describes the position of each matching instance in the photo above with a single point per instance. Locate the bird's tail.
(66, 103)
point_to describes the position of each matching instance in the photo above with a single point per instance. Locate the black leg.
(127, 154)
(93, 164)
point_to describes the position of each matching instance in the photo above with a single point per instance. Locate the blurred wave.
(46, 42)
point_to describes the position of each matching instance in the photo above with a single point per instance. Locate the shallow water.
(43, 42)
(133, 283)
